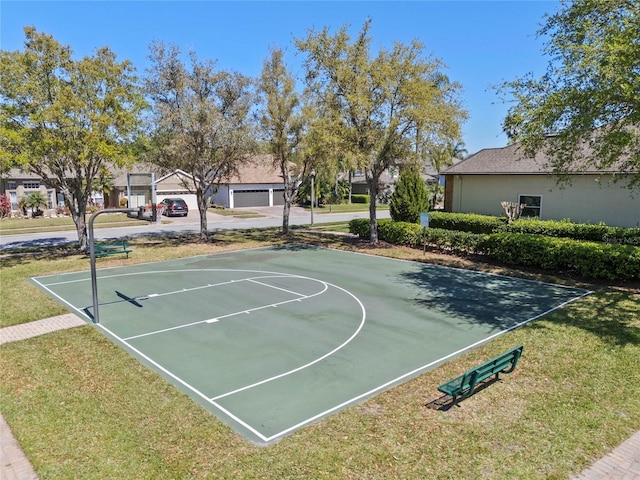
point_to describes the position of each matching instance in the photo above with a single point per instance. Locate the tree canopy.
(200, 121)
(410, 197)
(66, 120)
(584, 113)
(387, 108)
(281, 123)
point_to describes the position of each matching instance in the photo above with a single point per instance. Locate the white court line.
(267, 439)
(184, 383)
(277, 288)
(313, 362)
(241, 312)
(414, 372)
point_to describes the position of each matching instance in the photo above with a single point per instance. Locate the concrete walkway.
(622, 463)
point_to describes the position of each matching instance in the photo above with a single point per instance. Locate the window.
(31, 185)
(11, 185)
(533, 205)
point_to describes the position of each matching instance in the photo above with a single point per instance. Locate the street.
(271, 217)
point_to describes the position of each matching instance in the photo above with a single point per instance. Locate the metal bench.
(465, 384)
(105, 249)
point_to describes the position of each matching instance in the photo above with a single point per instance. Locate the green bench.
(465, 384)
(105, 249)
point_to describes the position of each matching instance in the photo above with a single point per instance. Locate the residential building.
(483, 180)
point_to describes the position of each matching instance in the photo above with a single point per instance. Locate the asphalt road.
(271, 217)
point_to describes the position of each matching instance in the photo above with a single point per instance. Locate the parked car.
(174, 207)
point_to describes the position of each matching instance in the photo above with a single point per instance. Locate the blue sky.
(482, 42)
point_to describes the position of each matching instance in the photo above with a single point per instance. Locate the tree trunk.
(202, 209)
(78, 210)
(285, 215)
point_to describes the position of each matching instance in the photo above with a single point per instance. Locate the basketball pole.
(92, 249)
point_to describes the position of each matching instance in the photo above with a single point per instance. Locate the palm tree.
(35, 200)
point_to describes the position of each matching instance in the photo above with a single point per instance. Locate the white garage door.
(190, 198)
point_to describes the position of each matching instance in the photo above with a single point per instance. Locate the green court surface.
(273, 339)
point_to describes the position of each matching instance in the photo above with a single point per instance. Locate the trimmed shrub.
(360, 199)
(588, 259)
(360, 227)
(466, 222)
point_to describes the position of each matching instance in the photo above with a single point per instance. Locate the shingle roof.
(258, 169)
(498, 161)
(505, 160)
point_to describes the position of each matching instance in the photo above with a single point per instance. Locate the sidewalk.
(622, 463)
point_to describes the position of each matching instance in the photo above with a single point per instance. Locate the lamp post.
(313, 176)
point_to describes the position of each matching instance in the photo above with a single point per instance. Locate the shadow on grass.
(445, 403)
(612, 315)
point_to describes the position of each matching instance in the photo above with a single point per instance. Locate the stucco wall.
(587, 199)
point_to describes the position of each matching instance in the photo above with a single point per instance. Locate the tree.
(442, 156)
(585, 110)
(67, 120)
(282, 123)
(410, 198)
(200, 121)
(385, 109)
(35, 200)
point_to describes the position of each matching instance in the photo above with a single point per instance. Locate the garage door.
(189, 198)
(278, 197)
(250, 198)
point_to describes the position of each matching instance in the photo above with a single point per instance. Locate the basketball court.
(272, 339)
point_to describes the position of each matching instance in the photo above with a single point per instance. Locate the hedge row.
(359, 198)
(474, 223)
(588, 259)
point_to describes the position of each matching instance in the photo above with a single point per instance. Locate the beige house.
(483, 180)
(16, 184)
(258, 184)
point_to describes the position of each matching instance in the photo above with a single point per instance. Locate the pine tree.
(410, 198)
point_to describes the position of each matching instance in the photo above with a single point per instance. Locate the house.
(17, 183)
(483, 180)
(258, 184)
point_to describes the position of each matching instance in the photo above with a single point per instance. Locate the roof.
(258, 169)
(509, 160)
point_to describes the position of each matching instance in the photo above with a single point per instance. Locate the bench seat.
(464, 385)
(105, 249)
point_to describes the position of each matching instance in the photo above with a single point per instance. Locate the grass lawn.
(346, 208)
(230, 212)
(81, 407)
(15, 226)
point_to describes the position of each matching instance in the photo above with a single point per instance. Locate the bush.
(576, 231)
(466, 222)
(360, 227)
(123, 202)
(413, 235)
(5, 206)
(360, 199)
(410, 198)
(588, 259)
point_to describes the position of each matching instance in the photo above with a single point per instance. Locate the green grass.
(14, 226)
(230, 212)
(82, 407)
(346, 208)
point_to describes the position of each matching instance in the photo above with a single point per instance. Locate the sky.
(483, 43)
